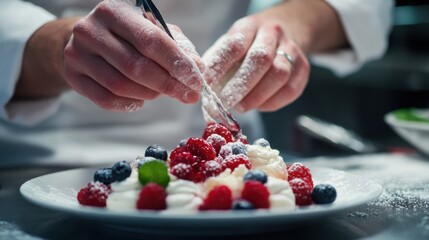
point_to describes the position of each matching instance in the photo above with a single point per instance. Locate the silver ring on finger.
(289, 57)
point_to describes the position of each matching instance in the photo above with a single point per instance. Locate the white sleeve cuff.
(18, 21)
(367, 25)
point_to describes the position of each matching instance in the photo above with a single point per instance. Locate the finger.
(257, 62)
(294, 87)
(187, 46)
(103, 73)
(130, 63)
(224, 57)
(150, 40)
(87, 87)
(274, 79)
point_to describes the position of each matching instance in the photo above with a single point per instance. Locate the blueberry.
(242, 205)
(183, 142)
(156, 152)
(261, 142)
(256, 175)
(121, 170)
(238, 148)
(104, 175)
(323, 194)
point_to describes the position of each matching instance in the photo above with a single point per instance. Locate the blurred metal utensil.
(335, 135)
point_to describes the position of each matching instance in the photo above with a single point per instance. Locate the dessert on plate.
(214, 172)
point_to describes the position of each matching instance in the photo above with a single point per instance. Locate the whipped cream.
(123, 201)
(233, 180)
(130, 183)
(281, 195)
(268, 160)
(183, 195)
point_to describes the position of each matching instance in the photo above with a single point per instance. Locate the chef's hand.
(119, 59)
(260, 63)
(248, 69)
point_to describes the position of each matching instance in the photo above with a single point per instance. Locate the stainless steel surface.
(335, 135)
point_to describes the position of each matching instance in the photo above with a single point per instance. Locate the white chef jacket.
(71, 129)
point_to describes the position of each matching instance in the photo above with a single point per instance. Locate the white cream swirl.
(130, 183)
(233, 181)
(123, 201)
(267, 160)
(183, 196)
(281, 195)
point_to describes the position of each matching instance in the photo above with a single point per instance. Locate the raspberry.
(152, 197)
(233, 161)
(217, 141)
(94, 194)
(178, 151)
(199, 147)
(302, 191)
(199, 177)
(181, 157)
(225, 151)
(256, 193)
(218, 129)
(212, 168)
(298, 170)
(219, 198)
(183, 171)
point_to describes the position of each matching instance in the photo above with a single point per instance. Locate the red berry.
(225, 151)
(183, 171)
(233, 161)
(94, 194)
(181, 157)
(298, 170)
(177, 152)
(219, 198)
(256, 193)
(218, 129)
(152, 197)
(199, 147)
(199, 177)
(302, 191)
(217, 141)
(212, 168)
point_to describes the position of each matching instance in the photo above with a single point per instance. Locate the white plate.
(58, 191)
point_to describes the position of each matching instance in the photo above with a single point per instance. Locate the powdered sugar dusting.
(405, 181)
(237, 88)
(219, 55)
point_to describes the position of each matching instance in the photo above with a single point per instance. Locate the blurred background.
(360, 101)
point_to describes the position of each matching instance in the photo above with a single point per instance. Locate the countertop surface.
(401, 212)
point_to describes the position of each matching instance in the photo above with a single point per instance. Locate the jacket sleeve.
(367, 24)
(18, 21)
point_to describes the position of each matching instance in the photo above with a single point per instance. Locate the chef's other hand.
(119, 59)
(257, 65)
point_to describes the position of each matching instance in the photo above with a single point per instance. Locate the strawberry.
(233, 161)
(219, 130)
(302, 191)
(152, 197)
(94, 194)
(256, 193)
(219, 198)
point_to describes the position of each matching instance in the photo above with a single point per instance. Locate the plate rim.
(210, 216)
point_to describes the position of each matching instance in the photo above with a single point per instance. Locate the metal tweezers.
(221, 115)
